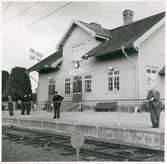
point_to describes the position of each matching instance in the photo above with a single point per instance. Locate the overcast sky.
(18, 36)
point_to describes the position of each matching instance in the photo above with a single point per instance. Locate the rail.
(122, 105)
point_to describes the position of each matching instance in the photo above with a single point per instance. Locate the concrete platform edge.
(144, 138)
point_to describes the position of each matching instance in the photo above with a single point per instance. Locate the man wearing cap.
(24, 105)
(57, 99)
(154, 97)
(29, 100)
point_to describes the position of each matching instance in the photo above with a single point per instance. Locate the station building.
(106, 64)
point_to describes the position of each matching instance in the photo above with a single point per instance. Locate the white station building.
(119, 64)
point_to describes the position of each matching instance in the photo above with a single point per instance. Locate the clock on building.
(76, 64)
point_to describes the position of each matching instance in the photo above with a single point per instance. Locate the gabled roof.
(97, 29)
(93, 29)
(125, 35)
(47, 62)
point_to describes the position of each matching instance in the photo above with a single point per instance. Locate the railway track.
(90, 150)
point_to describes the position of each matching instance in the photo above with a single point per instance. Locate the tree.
(18, 84)
(5, 76)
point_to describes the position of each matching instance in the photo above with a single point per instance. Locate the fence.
(124, 105)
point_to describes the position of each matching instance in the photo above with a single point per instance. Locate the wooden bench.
(106, 106)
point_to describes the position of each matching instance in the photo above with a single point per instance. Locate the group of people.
(24, 105)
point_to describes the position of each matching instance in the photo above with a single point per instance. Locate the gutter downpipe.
(136, 72)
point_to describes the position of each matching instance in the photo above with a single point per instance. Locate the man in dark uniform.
(153, 97)
(24, 103)
(57, 99)
(29, 99)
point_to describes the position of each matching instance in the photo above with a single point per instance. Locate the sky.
(19, 34)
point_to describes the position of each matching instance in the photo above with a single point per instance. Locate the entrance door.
(77, 89)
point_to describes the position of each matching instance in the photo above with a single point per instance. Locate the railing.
(123, 105)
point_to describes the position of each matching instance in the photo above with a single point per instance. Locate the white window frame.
(67, 89)
(114, 76)
(52, 82)
(151, 72)
(88, 84)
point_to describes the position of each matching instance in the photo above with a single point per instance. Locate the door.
(77, 89)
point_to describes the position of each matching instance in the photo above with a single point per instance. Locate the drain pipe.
(136, 72)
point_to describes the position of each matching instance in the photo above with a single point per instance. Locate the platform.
(116, 127)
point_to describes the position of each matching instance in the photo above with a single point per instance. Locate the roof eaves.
(46, 62)
(107, 52)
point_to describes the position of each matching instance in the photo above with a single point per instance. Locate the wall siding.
(150, 54)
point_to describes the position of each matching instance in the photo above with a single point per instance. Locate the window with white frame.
(88, 83)
(151, 79)
(77, 84)
(67, 86)
(51, 88)
(113, 80)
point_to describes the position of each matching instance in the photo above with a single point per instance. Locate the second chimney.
(127, 16)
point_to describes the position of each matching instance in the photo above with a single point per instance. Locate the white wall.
(43, 85)
(151, 53)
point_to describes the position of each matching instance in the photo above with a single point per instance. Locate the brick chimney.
(127, 16)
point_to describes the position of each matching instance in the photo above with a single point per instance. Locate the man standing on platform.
(57, 99)
(155, 108)
(29, 99)
(24, 101)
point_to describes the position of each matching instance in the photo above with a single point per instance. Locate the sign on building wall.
(80, 48)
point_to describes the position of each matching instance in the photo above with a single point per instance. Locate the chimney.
(127, 16)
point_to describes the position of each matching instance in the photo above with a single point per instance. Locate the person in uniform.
(10, 106)
(153, 97)
(19, 105)
(57, 99)
(24, 101)
(28, 106)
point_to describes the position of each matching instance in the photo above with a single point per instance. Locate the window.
(51, 88)
(88, 83)
(113, 80)
(151, 81)
(77, 84)
(67, 86)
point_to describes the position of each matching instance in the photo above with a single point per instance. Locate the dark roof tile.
(125, 35)
(97, 29)
(47, 61)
